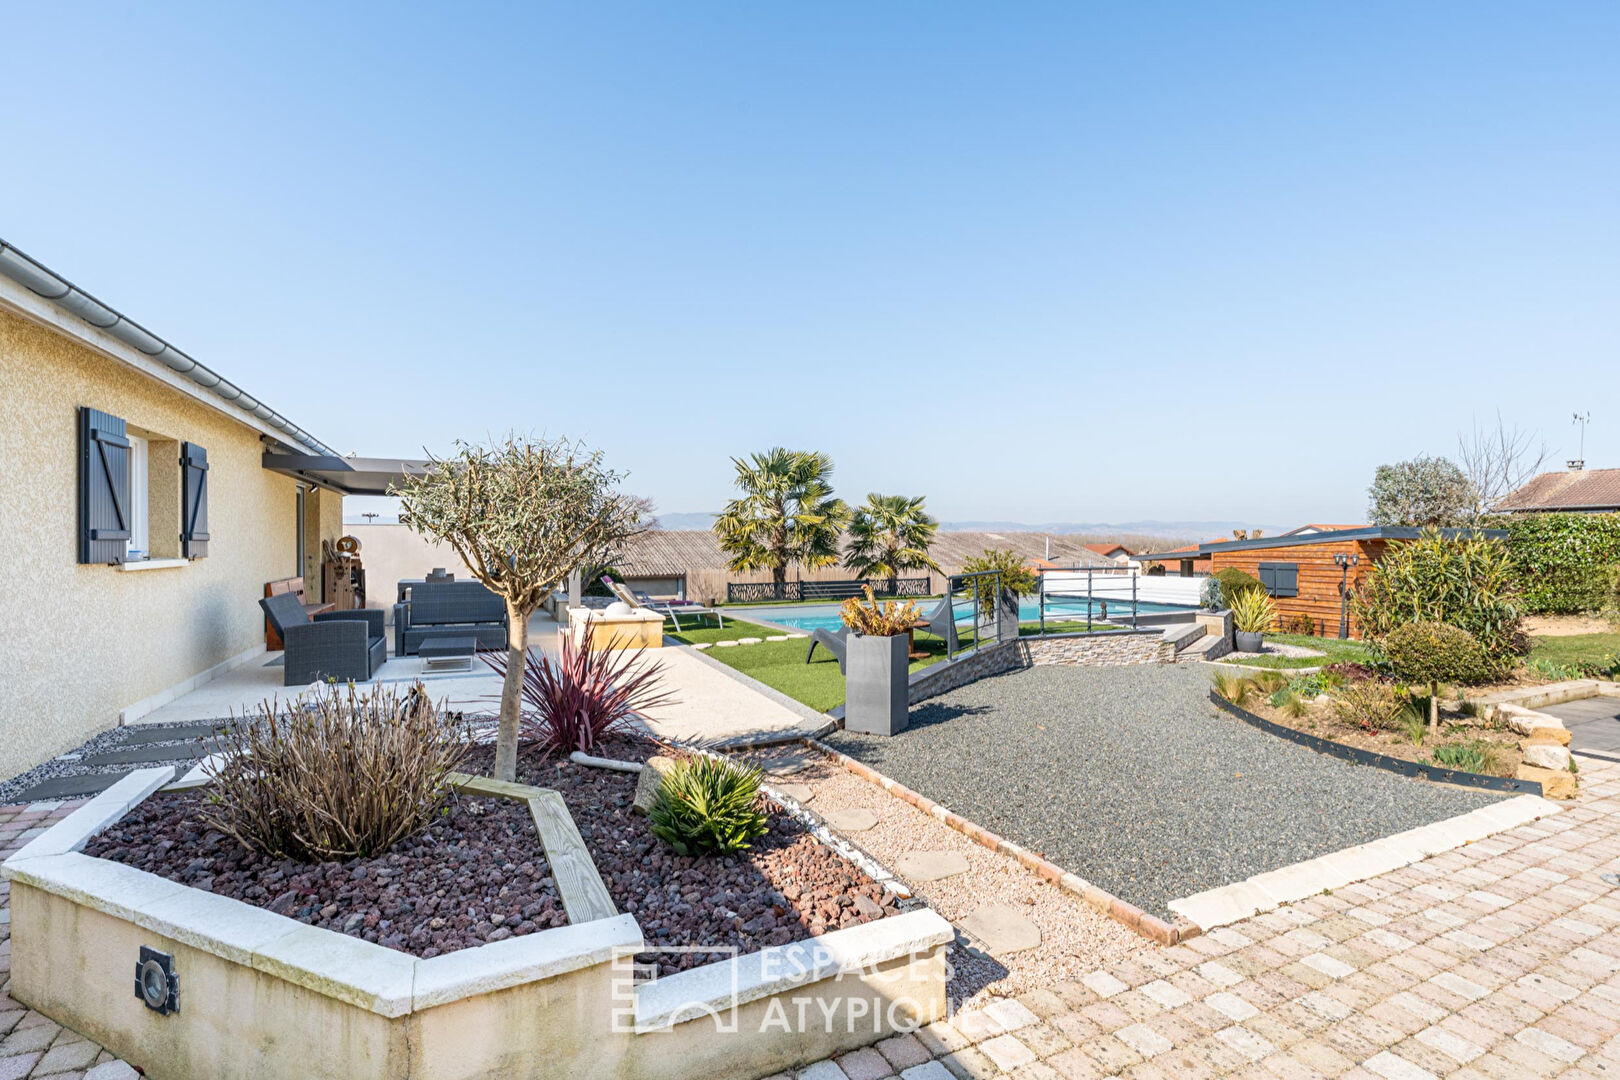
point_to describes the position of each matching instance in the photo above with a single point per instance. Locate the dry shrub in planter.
(336, 774)
(708, 805)
(1370, 705)
(576, 702)
(876, 619)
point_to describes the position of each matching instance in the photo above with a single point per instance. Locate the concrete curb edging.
(1263, 892)
(1149, 926)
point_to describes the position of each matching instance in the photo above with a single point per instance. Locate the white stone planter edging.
(716, 988)
(866, 966)
(1263, 892)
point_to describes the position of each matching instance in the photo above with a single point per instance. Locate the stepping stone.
(799, 793)
(64, 786)
(704, 645)
(930, 865)
(788, 764)
(173, 734)
(748, 641)
(725, 644)
(140, 755)
(793, 637)
(1002, 929)
(850, 820)
(776, 637)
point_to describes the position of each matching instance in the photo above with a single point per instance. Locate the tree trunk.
(779, 576)
(506, 737)
(1434, 708)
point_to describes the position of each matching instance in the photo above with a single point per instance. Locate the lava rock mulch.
(478, 874)
(1130, 778)
(787, 887)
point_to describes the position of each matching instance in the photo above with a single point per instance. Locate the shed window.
(1280, 578)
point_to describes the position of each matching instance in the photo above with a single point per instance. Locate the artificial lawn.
(780, 664)
(1335, 650)
(1596, 650)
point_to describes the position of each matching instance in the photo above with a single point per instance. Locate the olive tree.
(522, 514)
(1422, 492)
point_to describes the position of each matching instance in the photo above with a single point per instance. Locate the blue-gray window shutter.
(193, 501)
(1280, 579)
(103, 487)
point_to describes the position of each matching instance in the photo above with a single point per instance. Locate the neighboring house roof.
(1588, 490)
(1316, 528)
(1188, 552)
(1108, 551)
(1339, 536)
(69, 309)
(672, 552)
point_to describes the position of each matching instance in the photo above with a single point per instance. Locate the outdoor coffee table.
(447, 651)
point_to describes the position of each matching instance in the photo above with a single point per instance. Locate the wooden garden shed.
(1307, 575)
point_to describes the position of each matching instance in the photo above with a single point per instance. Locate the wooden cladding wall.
(1319, 578)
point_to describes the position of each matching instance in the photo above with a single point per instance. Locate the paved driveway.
(1594, 724)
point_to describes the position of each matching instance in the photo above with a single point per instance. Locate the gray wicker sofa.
(341, 645)
(435, 608)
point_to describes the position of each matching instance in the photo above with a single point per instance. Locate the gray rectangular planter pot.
(876, 689)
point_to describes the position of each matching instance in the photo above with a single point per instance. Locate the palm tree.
(787, 513)
(889, 535)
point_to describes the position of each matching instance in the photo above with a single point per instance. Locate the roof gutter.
(70, 298)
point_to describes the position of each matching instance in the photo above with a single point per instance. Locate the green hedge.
(1561, 561)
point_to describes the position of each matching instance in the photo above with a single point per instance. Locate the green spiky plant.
(1233, 687)
(708, 806)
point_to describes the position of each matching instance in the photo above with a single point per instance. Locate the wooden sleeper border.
(1149, 926)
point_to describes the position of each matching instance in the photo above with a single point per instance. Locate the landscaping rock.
(1002, 929)
(1559, 735)
(649, 781)
(930, 865)
(1546, 755)
(850, 820)
(799, 793)
(1555, 783)
(1526, 721)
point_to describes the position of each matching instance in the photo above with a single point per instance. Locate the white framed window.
(136, 547)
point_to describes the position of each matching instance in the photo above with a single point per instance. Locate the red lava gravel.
(476, 875)
(479, 874)
(787, 887)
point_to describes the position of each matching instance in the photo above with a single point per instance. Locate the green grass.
(1336, 652)
(780, 664)
(1583, 655)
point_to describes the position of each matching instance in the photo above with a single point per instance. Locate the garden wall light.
(156, 984)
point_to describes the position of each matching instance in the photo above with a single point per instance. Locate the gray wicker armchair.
(341, 645)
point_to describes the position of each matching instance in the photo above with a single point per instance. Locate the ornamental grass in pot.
(876, 680)
(1252, 615)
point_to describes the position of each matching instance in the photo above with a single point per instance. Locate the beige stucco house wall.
(81, 644)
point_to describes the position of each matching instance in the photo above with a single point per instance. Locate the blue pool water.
(825, 616)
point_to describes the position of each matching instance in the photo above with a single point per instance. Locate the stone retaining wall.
(1069, 650)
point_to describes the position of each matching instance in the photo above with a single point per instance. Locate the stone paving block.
(1006, 1051)
(18, 1066)
(63, 1057)
(864, 1064)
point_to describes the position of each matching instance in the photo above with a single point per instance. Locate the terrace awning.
(346, 475)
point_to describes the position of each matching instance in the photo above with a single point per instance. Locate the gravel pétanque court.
(1130, 778)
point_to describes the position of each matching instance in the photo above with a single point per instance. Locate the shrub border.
(1149, 926)
(1399, 766)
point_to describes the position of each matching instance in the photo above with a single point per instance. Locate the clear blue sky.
(1039, 262)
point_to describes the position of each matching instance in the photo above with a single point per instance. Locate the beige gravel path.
(1074, 937)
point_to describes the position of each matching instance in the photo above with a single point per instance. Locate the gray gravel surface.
(137, 736)
(1130, 778)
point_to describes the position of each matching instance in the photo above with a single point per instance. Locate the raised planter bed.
(1359, 756)
(261, 993)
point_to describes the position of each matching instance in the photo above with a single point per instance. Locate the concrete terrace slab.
(62, 787)
(711, 706)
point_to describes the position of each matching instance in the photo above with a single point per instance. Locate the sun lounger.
(668, 609)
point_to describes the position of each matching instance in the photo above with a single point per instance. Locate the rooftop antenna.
(1579, 463)
(370, 516)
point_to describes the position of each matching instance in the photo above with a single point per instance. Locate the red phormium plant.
(574, 703)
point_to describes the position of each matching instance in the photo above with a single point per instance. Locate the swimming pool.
(808, 617)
